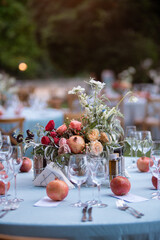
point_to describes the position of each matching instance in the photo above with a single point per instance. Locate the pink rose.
(50, 125)
(75, 125)
(62, 141)
(64, 149)
(45, 140)
(53, 134)
(56, 140)
(61, 129)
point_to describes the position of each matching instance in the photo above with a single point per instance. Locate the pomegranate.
(26, 164)
(1, 166)
(57, 190)
(143, 164)
(2, 187)
(76, 144)
(120, 185)
(154, 182)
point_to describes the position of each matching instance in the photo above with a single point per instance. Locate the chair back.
(153, 108)
(9, 125)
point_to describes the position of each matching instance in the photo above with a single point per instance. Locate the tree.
(18, 41)
(92, 35)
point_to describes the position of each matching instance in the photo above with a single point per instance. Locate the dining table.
(33, 116)
(64, 221)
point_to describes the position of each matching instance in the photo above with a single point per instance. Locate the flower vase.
(39, 164)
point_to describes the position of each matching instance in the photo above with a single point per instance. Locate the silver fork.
(120, 206)
(137, 212)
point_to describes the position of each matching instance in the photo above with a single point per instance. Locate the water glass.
(78, 173)
(155, 168)
(129, 137)
(99, 173)
(16, 158)
(144, 141)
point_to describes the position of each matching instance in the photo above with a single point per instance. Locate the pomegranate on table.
(57, 190)
(120, 185)
(143, 164)
(26, 164)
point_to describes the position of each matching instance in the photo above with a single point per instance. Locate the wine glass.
(155, 168)
(144, 141)
(0, 139)
(130, 130)
(16, 158)
(99, 172)
(78, 173)
(134, 145)
(6, 170)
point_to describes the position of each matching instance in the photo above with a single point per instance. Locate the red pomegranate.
(120, 185)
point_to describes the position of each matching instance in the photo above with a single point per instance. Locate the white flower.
(76, 90)
(133, 99)
(96, 84)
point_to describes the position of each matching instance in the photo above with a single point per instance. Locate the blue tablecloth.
(64, 221)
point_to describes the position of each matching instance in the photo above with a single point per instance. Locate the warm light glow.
(22, 66)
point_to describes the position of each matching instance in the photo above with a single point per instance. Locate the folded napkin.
(130, 198)
(51, 172)
(46, 202)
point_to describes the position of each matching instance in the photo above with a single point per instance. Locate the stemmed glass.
(78, 173)
(134, 145)
(6, 171)
(16, 158)
(99, 172)
(130, 130)
(0, 139)
(155, 168)
(144, 141)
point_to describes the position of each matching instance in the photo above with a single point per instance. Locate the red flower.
(45, 140)
(61, 129)
(75, 125)
(53, 134)
(50, 125)
(56, 140)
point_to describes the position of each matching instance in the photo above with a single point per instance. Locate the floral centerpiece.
(98, 129)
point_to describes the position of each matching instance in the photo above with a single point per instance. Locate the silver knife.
(3, 214)
(84, 217)
(90, 214)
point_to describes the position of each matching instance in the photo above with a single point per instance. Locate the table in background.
(64, 221)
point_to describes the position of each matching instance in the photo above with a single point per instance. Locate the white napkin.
(46, 202)
(130, 198)
(51, 172)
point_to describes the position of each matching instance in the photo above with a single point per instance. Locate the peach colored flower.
(96, 148)
(104, 137)
(62, 141)
(60, 130)
(75, 125)
(64, 149)
(93, 135)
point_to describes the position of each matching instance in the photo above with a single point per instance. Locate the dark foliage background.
(83, 36)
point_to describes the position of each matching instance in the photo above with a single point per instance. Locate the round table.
(64, 221)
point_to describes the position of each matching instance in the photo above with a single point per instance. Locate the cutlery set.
(86, 210)
(123, 206)
(6, 209)
(120, 205)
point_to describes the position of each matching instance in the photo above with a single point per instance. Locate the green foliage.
(92, 35)
(18, 41)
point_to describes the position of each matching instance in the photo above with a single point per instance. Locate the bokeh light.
(22, 66)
